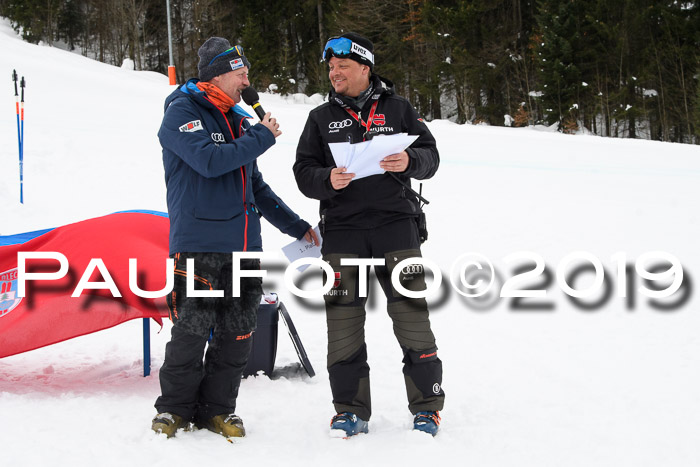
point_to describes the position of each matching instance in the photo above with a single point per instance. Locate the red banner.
(47, 314)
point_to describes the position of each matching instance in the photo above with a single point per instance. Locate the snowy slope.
(614, 386)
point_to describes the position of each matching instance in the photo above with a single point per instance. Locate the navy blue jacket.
(216, 193)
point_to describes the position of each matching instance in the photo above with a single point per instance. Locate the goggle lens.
(338, 46)
(342, 47)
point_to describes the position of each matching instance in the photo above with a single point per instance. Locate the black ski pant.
(195, 384)
(345, 316)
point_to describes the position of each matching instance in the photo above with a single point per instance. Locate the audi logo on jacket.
(374, 200)
(216, 193)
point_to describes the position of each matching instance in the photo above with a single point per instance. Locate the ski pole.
(21, 151)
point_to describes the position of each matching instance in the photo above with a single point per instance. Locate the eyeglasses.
(236, 48)
(342, 47)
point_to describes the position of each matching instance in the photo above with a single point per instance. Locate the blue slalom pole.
(146, 346)
(19, 136)
(21, 149)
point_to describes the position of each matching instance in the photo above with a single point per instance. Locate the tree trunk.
(321, 34)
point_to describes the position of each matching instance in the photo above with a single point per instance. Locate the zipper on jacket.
(245, 206)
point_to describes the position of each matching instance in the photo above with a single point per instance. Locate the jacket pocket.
(218, 198)
(412, 276)
(344, 291)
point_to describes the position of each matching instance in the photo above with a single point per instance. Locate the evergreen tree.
(696, 114)
(70, 22)
(559, 60)
(35, 19)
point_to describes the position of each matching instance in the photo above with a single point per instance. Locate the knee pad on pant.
(412, 323)
(346, 332)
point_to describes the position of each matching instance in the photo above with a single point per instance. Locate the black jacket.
(374, 200)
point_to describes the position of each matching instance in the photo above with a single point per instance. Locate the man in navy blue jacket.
(216, 196)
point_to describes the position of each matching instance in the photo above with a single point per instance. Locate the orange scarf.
(218, 97)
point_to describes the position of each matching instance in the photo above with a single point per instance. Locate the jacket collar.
(191, 91)
(381, 86)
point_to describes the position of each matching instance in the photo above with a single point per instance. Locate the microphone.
(250, 97)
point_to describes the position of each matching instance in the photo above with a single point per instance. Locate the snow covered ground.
(616, 385)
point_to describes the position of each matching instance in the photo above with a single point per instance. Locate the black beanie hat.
(217, 56)
(362, 41)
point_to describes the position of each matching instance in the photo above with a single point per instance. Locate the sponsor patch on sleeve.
(194, 125)
(420, 120)
(236, 63)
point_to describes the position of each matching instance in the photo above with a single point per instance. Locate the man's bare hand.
(310, 236)
(340, 179)
(271, 124)
(395, 162)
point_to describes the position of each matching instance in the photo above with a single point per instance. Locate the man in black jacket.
(372, 217)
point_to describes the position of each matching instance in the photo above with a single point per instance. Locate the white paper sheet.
(363, 158)
(303, 249)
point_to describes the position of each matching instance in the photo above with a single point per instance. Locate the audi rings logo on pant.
(218, 137)
(338, 125)
(413, 269)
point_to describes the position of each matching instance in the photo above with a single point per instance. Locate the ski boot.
(167, 423)
(428, 422)
(227, 425)
(347, 424)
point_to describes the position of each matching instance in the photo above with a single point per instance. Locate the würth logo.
(336, 282)
(379, 119)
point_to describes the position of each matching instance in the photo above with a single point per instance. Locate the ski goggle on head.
(342, 47)
(236, 50)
